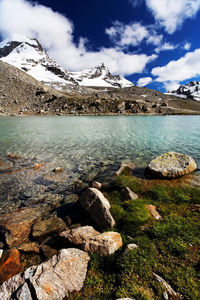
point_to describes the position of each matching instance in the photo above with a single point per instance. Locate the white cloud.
(165, 47)
(171, 86)
(187, 46)
(132, 34)
(55, 32)
(135, 3)
(144, 81)
(184, 68)
(171, 14)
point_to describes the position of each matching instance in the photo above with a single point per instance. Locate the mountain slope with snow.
(190, 90)
(28, 55)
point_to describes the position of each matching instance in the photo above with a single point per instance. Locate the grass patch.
(169, 248)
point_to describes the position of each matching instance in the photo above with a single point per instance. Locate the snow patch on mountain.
(190, 90)
(28, 55)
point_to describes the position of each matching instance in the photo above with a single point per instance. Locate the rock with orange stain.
(65, 272)
(15, 227)
(153, 212)
(13, 156)
(38, 166)
(9, 264)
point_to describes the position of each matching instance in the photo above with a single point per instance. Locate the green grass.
(169, 248)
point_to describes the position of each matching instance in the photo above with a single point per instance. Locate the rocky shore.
(124, 237)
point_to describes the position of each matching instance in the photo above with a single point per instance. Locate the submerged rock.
(98, 207)
(65, 272)
(171, 165)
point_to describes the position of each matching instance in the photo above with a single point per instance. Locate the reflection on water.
(86, 144)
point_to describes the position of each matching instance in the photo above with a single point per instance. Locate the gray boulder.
(98, 207)
(65, 272)
(171, 165)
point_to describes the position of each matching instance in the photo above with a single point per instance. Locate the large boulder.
(104, 244)
(65, 272)
(171, 165)
(98, 207)
(15, 227)
(79, 235)
(92, 241)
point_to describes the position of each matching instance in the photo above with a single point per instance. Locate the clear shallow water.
(87, 145)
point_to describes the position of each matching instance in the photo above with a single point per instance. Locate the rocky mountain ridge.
(190, 90)
(28, 55)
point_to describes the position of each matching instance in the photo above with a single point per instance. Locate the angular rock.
(171, 165)
(153, 212)
(9, 264)
(65, 272)
(125, 166)
(98, 207)
(97, 185)
(79, 235)
(131, 194)
(29, 247)
(15, 227)
(44, 228)
(48, 251)
(105, 243)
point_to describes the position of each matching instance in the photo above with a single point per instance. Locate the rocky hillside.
(190, 90)
(21, 94)
(28, 55)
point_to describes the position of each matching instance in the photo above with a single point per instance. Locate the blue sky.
(151, 42)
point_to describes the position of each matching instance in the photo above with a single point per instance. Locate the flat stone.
(98, 207)
(9, 264)
(105, 243)
(15, 227)
(171, 165)
(131, 246)
(153, 212)
(79, 235)
(64, 273)
(44, 228)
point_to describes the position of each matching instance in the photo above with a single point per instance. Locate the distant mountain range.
(190, 90)
(28, 55)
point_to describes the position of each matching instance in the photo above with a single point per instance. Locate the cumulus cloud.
(165, 47)
(171, 14)
(184, 68)
(144, 81)
(171, 86)
(55, 32)
(133, 34)
(187, 46)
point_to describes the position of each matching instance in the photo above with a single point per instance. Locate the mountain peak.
(28, 55)
(190, 90)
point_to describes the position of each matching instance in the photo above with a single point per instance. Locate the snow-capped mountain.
(28, 55)
(100, 76)
(190, 90)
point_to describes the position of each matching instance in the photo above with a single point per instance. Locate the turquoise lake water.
(94, 144)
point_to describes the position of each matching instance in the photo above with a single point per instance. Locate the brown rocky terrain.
(20, 94)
